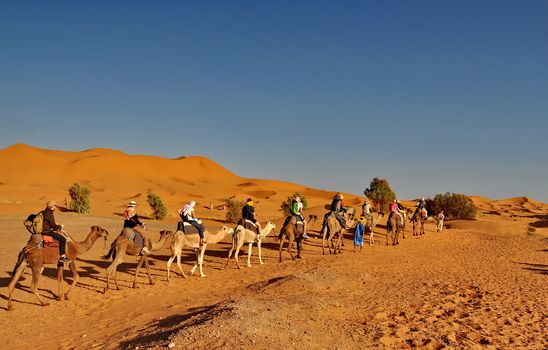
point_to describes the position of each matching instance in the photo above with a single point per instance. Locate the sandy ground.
(479, 284)
(469, 287)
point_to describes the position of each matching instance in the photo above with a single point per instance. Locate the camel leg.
(299, 247)
(290, 246)
(75, 278)
(324, 233)
(141, 261)
(200, 256)
(34, 285)
(260, 254)
(168, 264)
(112, 271)
(150, 279)
(60, 270)
(17, 273)
(229, 255)
(179, 265)
(237, 253)
(250, 247)
(281, 247)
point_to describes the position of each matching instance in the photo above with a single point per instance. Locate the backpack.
(34, 223)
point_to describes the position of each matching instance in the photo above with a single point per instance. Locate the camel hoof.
(10, 308)
(45, 304)
(67, 297)
(58, 298)
(105, 290)
(135, 286)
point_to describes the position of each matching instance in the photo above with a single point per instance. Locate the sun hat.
(132, 204)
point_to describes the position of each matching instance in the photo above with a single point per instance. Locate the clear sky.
(435, 96)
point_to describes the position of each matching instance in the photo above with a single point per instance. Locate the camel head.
(99, 232)
(227, 230)
(165, 233)
(270, 226)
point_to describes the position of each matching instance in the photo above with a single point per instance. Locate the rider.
(296, 209)
(187, 214)
(248, 213)
(54, 230)
(366, 210)
(395, 209)
(337, 207)
(131, 220)
(422, 207)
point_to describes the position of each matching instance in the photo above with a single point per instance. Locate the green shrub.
(380, 192)
(285, 207)
(79, 195)
(234, 210)
(159, 211)
(454, 206)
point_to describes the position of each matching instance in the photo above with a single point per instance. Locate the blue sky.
(434, 96)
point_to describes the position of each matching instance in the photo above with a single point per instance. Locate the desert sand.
(479, 284)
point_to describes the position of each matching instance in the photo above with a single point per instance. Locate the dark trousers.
(199, 227)
(62, 240)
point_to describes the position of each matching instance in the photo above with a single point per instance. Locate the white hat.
(132, 204)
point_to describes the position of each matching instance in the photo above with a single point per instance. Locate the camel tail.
(20, 259)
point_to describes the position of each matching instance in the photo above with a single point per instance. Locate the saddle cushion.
(134, 236)
(187, 228)
(50, 242)
(249, 225)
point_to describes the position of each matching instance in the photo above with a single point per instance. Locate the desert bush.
(285, 207)
(234, 210)
(79, 198)
(454, 205)
(159, 210)
(380, 192)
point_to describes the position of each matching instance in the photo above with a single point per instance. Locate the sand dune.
(29, 175)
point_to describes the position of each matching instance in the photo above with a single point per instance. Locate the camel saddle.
(249, 225)
(134, 236)
(44, 241)
(295, 220)
(187, 228)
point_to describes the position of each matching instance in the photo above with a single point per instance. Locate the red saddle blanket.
(48, 241)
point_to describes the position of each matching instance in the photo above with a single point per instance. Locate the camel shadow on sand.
(170, 325)
(537, 268)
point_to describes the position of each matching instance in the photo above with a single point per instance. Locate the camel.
(36, 256)
(242, 235)
(125, 246)
(333, 227)
(393, 228)
(417, 220)
(294, 234)
(370, 226)
(180, 241)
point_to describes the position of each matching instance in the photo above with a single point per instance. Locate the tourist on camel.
(337, 208)
(296, 209)
(248, 213)
(131, 220)
(54, 230)
(187, 214)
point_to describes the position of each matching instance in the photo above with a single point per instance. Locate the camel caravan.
(49, 244)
